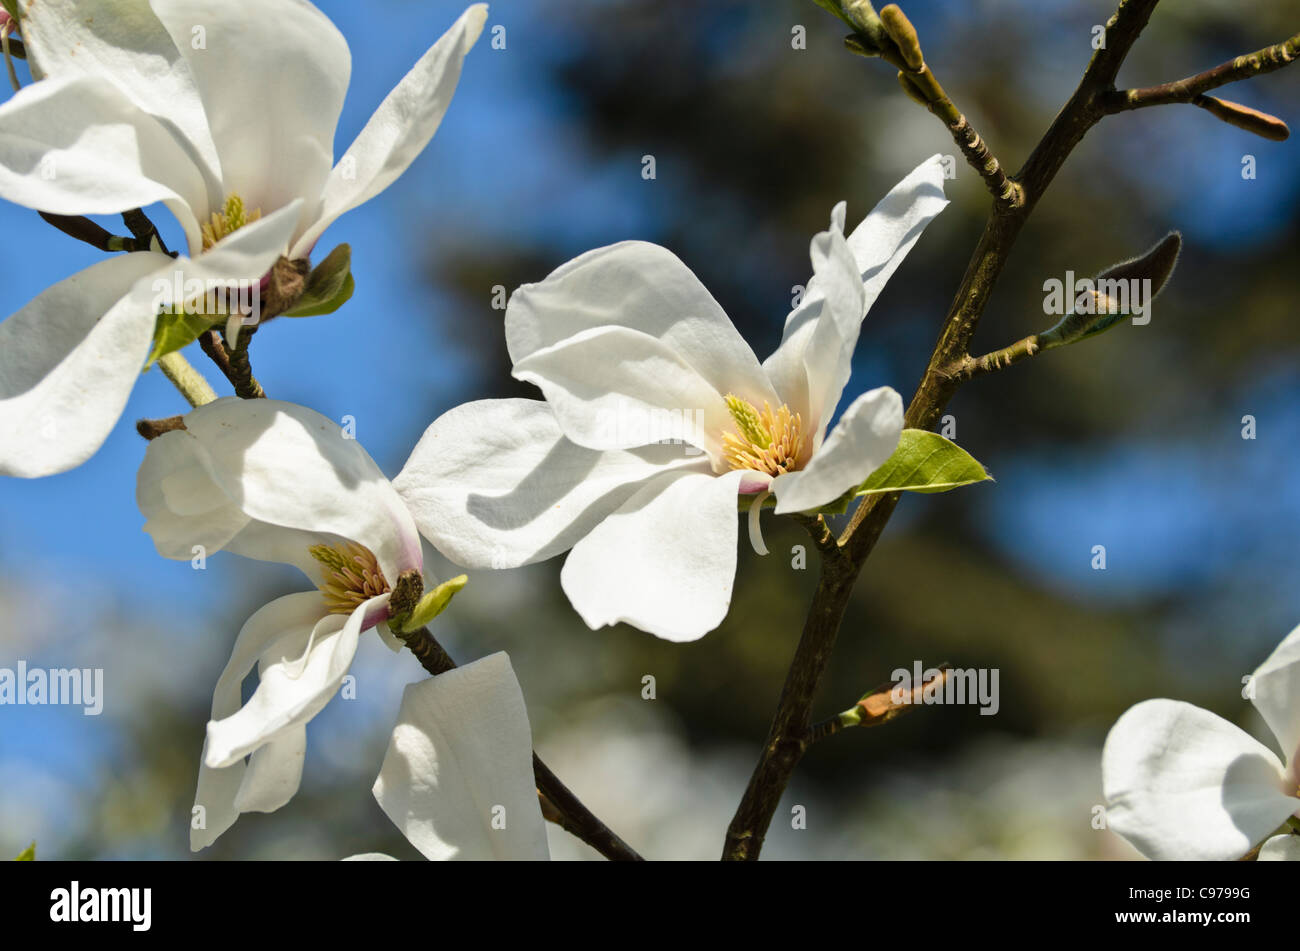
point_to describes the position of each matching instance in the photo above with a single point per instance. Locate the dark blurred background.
(1132, 441)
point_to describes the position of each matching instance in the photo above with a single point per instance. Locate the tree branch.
(788, 736)
(1267, 60)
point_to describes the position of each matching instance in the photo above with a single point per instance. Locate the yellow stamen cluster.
(227, 221)
(765, 441)
(351, 575)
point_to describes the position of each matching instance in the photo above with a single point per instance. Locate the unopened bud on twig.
(1122, 290)
(1244, 117)
(901, 31)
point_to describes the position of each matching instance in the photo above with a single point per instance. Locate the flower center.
(227, 221)
(768, 441)
(351, 576)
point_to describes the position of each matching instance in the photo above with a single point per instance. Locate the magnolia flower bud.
(1097, 308)
(1244, 117)
(903, 34)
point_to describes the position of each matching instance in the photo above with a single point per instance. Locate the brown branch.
(1267, 60)
(559, 804)
(788, 735)
(919, 82)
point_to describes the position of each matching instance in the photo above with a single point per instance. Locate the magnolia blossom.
(223, 111)
(630, 349)
(277, 482)
(458, 775)
(1182, 783)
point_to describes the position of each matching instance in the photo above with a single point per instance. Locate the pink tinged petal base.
(1182, 783)
(458, 777)
(665, 562)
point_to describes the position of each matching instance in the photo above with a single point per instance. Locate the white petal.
(811, 359)
(300, 673)
(400, 128)
(218, 788)
(495, 483)
(1182, 783)
(288, 466)
(864, 438)
(642, 288)
(124, 44)
(272, 76)
(461, 759)
(1277, 696)
(614, 388)
(68, 362)
(665, 562)
(1281, 848)
(78, 146)
(274, 773)
(369, 857)
(815, 359)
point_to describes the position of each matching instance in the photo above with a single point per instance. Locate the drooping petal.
(299, 674)
(282, 465)
(458, 775)
(1182, 783)
(125, 44)
(274, 773)
(1277, 696)
(864, 438)
(643, 297)
(217, 788)
(665, 562)
(808, 356)
(495, 483)
(271, 76)
(399, 129)
(78, 146)
(68, 361)
(1281, 848)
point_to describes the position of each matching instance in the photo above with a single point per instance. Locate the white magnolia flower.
(277, 482)
(1182, 783)
(458, 775)
(628, 348)
(225, 111)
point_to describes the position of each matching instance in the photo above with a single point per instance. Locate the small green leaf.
(329, 286)
(174, 331)
(11, 7)
(924, 462)
(28, 854)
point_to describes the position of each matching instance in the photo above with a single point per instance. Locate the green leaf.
(174, 331)
(11, 7)
(924, 462)
(28, 854)
(329, 286)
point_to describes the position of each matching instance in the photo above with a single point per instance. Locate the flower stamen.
(768, 441)
(351, 576)
(227, 221)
